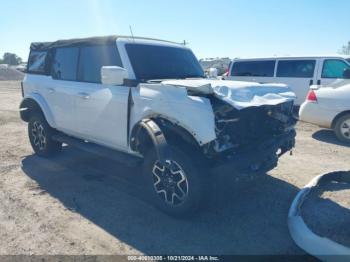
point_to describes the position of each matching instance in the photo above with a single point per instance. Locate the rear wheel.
(177, 186)
(342, 128)
(40, 136)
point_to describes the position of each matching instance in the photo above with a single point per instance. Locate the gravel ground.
(77, 203)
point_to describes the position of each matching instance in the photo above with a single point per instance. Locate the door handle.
(84, 95)
(51, 90)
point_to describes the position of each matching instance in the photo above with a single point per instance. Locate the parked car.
(21, 67)
(146, 102)
(329, 107)
(299, 73)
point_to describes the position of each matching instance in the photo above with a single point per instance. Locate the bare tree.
(345, 49)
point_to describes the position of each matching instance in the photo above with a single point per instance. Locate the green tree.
(11, 59)
(345, 49)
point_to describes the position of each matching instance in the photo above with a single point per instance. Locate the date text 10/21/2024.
(173, 258)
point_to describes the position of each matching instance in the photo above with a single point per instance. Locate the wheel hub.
(345, 128)
(39, 136)
(170, 182)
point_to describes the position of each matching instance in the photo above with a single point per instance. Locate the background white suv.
(299, 73)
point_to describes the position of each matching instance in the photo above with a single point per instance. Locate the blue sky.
(234, 28)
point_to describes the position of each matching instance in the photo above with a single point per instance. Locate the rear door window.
(296, 68)
(92, 58)
(334, 68)
(64, 66)
(254, 68)
(37, 62)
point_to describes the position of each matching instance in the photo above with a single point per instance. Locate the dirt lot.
(10, 74)
(77, 203)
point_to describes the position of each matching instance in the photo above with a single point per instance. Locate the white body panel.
(102, 117)
(102, 113)
(61, 98)
(195, 114)
(33, 86)
(86, 110)
(331, 101)
(55, 94)
(300, 86)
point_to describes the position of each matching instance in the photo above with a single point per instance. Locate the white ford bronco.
(146, 102)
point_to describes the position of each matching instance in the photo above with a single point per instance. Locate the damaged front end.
(251, 139)
(254, 123)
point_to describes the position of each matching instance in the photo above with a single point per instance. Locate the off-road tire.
(196, 182)
(340, 127)
(40, 136)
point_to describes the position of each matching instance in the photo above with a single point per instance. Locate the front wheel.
(342, 128)
(40, 136)
(178, 186)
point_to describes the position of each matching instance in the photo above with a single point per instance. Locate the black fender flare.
(27, 106)
(157, 137)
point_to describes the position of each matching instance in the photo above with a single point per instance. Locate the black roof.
(73, 42)
(98, 40)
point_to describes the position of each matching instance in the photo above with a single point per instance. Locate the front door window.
(333, 68)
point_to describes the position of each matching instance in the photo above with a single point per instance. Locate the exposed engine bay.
(238, 130)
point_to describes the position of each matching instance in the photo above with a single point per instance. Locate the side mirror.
(346, 74)
(113, 75)
(213, 73)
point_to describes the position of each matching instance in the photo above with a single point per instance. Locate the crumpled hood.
(239, 94)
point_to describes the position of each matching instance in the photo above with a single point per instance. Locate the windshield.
(163, 62)
(348, 60)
